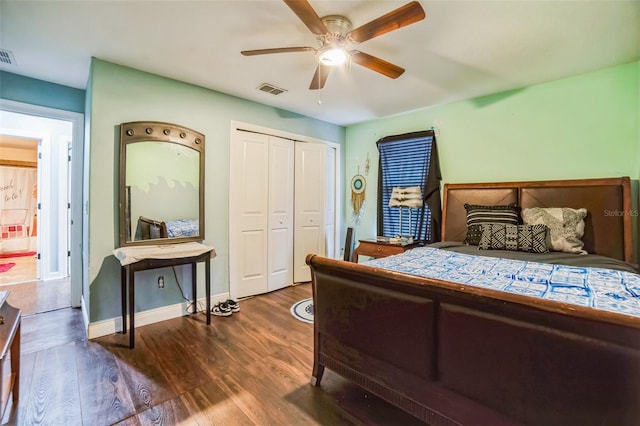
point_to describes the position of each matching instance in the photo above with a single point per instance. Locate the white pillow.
(566, 226)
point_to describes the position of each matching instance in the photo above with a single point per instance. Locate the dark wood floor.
(251, 368)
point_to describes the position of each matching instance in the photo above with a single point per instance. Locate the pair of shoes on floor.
(235, 306)
(226, 308)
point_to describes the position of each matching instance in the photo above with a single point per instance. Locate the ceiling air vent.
(6, 57)
(270, 88)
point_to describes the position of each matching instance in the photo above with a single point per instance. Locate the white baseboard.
(114, 325)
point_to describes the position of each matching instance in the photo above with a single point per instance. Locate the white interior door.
(248, 214)
(281, 175)
(55, 196)
(53, 205)
(309, 206)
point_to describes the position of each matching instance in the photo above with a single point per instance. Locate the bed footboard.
(449, 356)
(383, 338)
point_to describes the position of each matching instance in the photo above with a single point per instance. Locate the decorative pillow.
(500, 236)
(477, 215)
(566, 226)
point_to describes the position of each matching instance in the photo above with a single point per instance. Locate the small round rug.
(303, 310)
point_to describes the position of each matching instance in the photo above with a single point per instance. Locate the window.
(410, 160)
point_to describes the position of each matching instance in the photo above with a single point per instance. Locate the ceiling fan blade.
(277, 50)
(376, 64)
(320, 77)
(307, 15)
(401, 17)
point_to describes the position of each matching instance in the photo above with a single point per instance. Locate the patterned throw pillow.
(478, 215)
(529, 238)
(566, 226)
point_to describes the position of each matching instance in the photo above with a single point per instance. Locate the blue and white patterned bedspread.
(599, 288)
(182, 228)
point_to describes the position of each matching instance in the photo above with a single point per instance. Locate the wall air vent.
(270, 88)
(6, 57)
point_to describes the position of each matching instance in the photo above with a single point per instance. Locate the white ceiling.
(463, 49)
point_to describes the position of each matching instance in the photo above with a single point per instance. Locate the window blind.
(409, 160)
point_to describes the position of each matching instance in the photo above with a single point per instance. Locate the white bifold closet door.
(330, 210)
(309, 206)
(274, 184)
(281, 236)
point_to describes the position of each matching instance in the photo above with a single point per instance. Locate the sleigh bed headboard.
(607, 200)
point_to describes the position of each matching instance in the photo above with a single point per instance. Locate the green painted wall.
(579, 127)
(118, 94)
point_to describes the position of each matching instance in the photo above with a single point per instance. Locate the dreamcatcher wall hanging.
(358, 186)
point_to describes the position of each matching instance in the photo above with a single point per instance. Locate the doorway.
(18, 208)
(36, 146)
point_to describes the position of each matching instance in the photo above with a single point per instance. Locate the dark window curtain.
(410, 159)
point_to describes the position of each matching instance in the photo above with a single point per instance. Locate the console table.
(9, 349)
(139, 258)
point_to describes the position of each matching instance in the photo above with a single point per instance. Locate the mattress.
(586, 284)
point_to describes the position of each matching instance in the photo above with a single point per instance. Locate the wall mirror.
(161, 189)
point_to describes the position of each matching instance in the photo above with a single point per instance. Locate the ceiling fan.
(336, 37)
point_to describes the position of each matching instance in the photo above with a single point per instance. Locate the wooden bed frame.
(457, 355)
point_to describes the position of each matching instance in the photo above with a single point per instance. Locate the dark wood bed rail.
(412, 283)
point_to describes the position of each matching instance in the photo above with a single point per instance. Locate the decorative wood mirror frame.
(158, 144)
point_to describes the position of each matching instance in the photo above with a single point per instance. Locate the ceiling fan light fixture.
(336, 37)
(333, 56)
